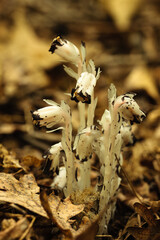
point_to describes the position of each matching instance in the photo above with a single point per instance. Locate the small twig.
(28, 229)
(18, 208)
(131, 185)
(19, 171)
(110, 236)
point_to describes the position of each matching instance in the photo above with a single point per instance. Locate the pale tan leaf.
(25, 192)
(24, 57)
(140, 78)
(8, 160)
(122, 11)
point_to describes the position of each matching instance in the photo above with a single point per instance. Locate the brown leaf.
(121, 11)
(155, 205)
(140, 233)
(25, 192)
(145, 232)
(8, 160)
(130, 223)
(64, 226)
(146, 213)
(88, 231)
(141, 78)
(15, 230)
(24, 57)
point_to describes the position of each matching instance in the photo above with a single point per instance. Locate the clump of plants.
(71, 158)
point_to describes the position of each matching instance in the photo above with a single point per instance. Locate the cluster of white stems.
(105, 139)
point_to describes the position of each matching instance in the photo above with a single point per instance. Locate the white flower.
(65, 49)
(84, 88)
(49, 116)
(128, 108)
(127, 135)
(84, 141)
(54, 156)
(59, 181)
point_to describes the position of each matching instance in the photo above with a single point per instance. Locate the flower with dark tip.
(65, 49)
(49, 116)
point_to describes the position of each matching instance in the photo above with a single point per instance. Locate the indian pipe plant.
(106, 139)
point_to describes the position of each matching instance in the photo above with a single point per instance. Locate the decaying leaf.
(122, 11)
(149, 231)
(155, 205)
(141, 78)
(145, 212)
(8, 160)
(87, 229)
(130, 223)
(54, 216)
(23, 58)
(25, 192)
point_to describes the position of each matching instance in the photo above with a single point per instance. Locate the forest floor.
(126, 47)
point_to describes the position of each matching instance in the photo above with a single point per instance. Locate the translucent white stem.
(67, 146)
(111, 179)
(85, 180)
(81, 108)
(91, 111)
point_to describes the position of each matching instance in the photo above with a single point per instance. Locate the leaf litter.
(25, 193)
(24, 64)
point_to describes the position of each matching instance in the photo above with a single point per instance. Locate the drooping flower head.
(85, 84)
(54, 157)
(84, 88)
(128, 108)
(65, 49)
(84, 141)
(50, 115)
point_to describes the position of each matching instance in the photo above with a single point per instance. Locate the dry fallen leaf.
(24, 58)
(8, 160)
(145, 212)
(122, 11)
(141, 78)
(87, 229)
(145, 232)
(25, 192)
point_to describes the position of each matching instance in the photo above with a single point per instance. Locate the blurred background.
(121, 36)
